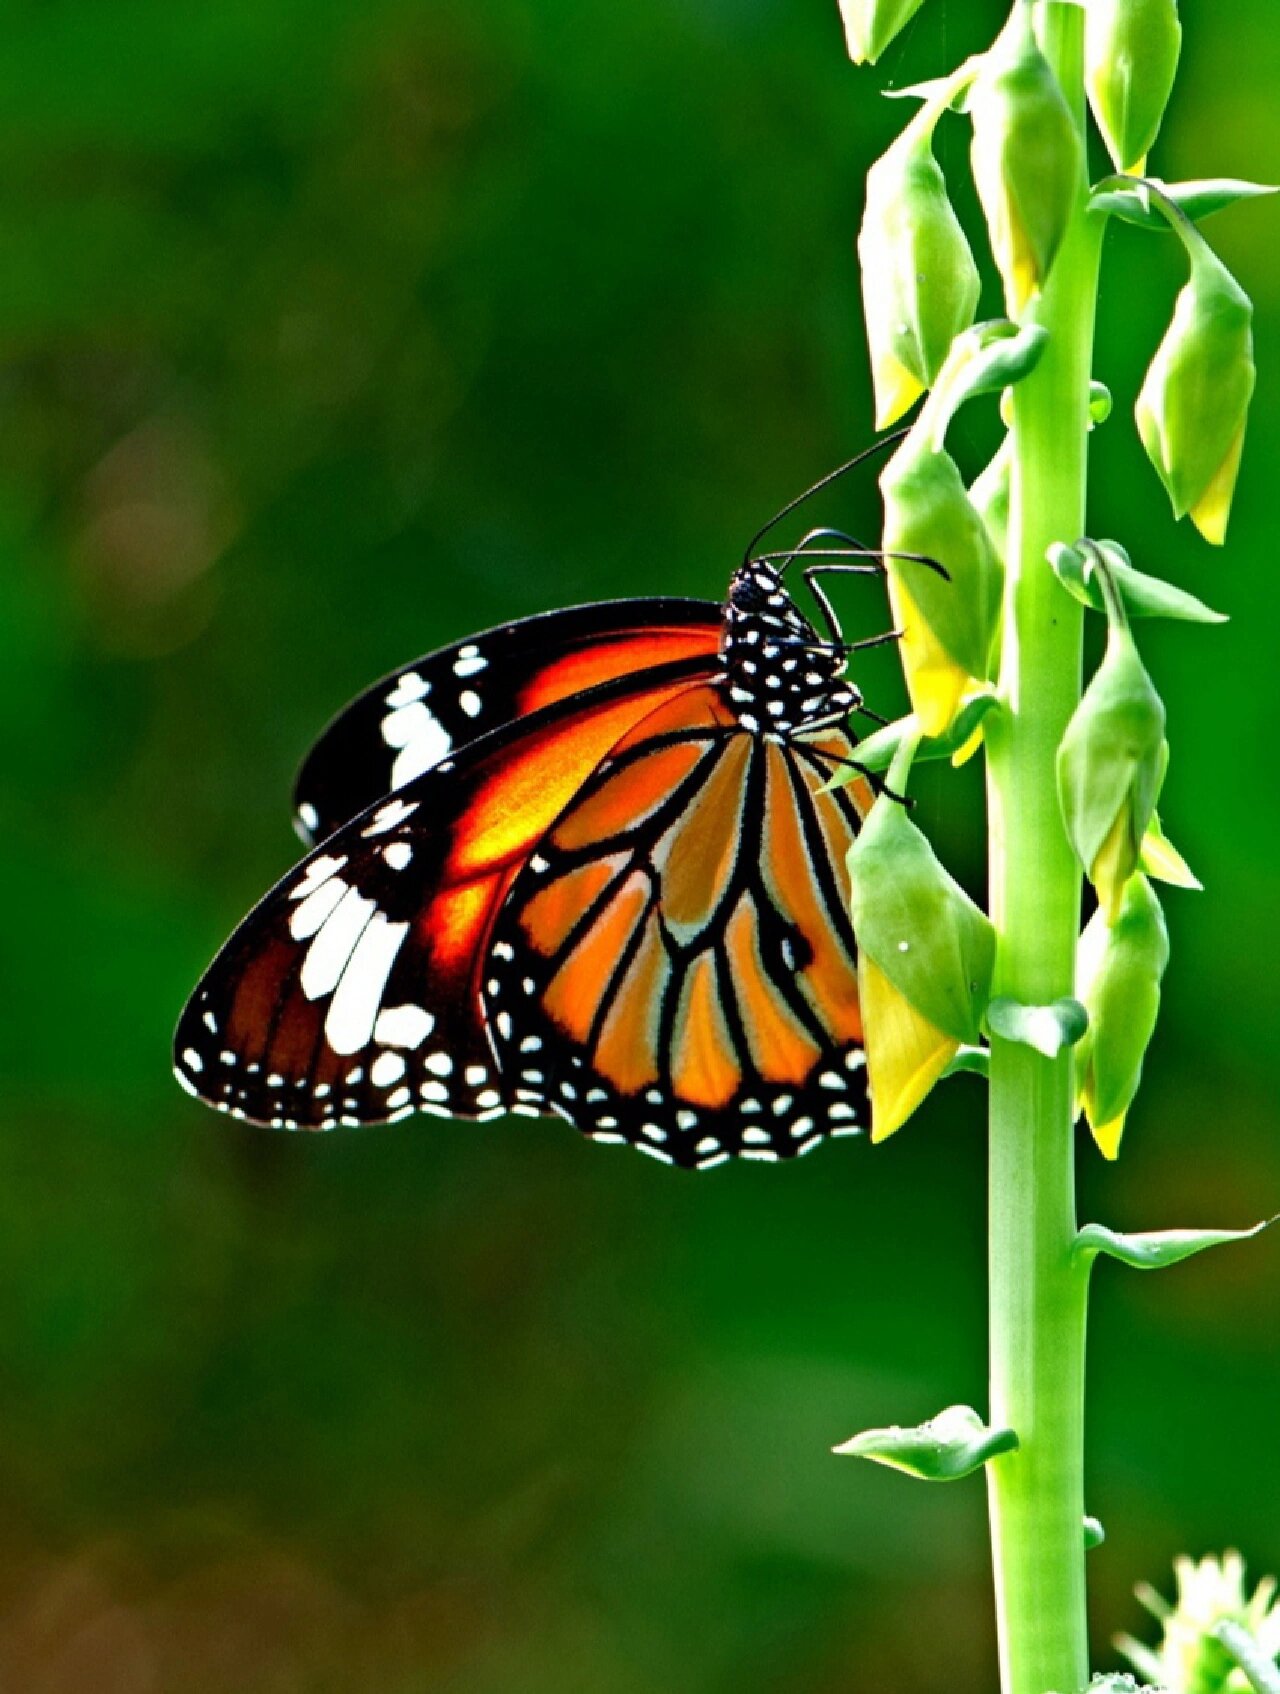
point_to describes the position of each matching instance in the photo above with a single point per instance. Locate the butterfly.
(590, 863)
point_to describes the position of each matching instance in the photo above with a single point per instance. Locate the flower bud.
(1110, 767)
(1131, 57)
(920, 283)
(925, 954)
(990, 492)
(1214, 1630)
(948, 623)
(1195, 397)
(870, 25)
(1027, 158)
(1119, 970)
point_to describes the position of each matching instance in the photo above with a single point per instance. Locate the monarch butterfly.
(588, 863)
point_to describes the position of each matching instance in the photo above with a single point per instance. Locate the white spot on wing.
(318, 871)
(421, 737)
(403, 1026)
(192, 1060)
(386, 1069)
(398, 855)
(328, 954)
(388, 816)
(408, 688)
(470, 702)
(355, 1006)
(307, 918)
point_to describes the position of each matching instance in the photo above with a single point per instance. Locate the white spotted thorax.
(781, 677)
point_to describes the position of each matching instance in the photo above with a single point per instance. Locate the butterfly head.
(781, 676)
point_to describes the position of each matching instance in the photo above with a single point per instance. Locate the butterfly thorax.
(781, 677)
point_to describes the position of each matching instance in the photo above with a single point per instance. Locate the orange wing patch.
(604, 660)
(550, 916)
(697, 856)
(782, 1049)
(705, 1067)
(629, 797)
(573, 996)
(626, 1054)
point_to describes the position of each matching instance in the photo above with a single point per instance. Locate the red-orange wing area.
(352, 993)
(429, 710)
(675, 968)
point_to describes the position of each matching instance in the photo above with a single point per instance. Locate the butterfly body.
(588, 864)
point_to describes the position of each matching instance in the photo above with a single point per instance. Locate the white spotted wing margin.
(352, 993)
(425, 713)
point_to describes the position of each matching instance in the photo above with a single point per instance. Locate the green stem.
(1037, 1295)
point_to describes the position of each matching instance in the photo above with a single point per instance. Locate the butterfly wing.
(424, 713)
(674, 968)
(352, 993)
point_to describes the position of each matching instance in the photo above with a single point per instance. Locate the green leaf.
(1094, 1534)
(1261, 1670)
(1046, 1028)
(1076, 568)
(1159, 1247)
(954, 88)
(878, 751)
(1196, 200)
(952, 1445)
(986, 359)
(975, 1060)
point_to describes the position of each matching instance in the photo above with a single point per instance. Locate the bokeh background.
(334, 329)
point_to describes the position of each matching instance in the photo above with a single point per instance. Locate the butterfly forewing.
(352, 993)
(426, 712)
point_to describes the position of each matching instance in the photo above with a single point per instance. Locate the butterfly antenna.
(823, 482)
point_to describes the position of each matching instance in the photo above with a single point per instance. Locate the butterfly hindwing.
(352, 992)
(674, 967)
(426, 712)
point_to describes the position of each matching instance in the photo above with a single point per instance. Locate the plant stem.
(1037, 1294)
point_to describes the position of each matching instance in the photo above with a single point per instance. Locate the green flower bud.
(1027, 158)
(1195, 397)
(1131, 57)
(1119, 970)
(925, 955)
(990, 493)
(1110, 767)
(948, 623)
(920, 283)
(870, 25)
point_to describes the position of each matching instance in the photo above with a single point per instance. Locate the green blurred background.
(330, 331)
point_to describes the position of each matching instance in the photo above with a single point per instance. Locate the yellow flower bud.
(1027, 158)
(920, 283)
(1131, 57)
(1194, 402)
(948, 623)
(870, 25)
(1110, 767)
(905, 1053)
(1119, 970)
